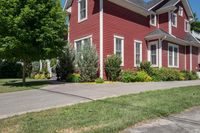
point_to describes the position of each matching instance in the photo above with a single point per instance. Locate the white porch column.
(41, 65)
(190, 57)
(101, 39)
(160, 52)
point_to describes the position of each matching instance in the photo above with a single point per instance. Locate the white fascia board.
(155, 5)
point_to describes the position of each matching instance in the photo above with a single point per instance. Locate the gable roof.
(144, 4)
(147, 6)
(188, 39)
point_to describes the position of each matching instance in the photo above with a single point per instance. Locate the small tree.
(113, 67)
(31, 30)
(65, 65)
(87, 61)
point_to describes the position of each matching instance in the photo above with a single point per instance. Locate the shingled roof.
(141, 3)
(159, 32)
(144, 4)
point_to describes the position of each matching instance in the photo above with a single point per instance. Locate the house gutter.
(101, 61)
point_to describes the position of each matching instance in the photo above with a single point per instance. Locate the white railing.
(196, 34)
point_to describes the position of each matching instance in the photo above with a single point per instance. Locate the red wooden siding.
(195, 52)
(123, 22)
(163, 22)
(179, 30)
(87, 27)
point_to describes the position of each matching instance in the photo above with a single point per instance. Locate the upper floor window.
(174, 19)
(153, 19)
(82, 10)
(119, 47)
(79, 43)
(173, 55)
(187, 26)
(137, 53)
(180, 11)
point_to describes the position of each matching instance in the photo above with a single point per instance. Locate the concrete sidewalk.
(186, 122)
(67, 94)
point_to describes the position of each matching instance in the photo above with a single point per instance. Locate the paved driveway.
(187, 122)
(66, 94)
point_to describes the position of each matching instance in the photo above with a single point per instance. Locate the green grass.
(12, 85)
(105, 116)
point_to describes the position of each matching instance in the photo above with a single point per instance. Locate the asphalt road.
(60, 95)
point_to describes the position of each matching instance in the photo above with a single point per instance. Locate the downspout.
(101, 39)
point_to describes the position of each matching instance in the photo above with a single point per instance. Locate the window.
(173, 55)
(81, 42)
(153, 19)
(187, 26)
(137, 53)
(174, 19)
(180, 11)
(82, 10)
(153, 53)
(119, 47)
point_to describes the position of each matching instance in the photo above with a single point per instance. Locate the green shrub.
(73, 78)
(42, 76)
(65, 65)
(10, 69)
(113, 67)
(99, 81)
(167, 74)
(189, 75)
(146, 66)
(142, 76)
(194, 75)
(128, 76)
(87, 61)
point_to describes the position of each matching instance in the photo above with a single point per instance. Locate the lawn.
(12, 85)
(105, 116)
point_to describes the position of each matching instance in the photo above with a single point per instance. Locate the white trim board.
(101, 39)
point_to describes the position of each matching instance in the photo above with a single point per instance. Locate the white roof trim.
(65, 5)
(155, 5)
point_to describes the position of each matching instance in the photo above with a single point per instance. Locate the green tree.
(195, 26)
(87, 61)
(31, 30)
(65, 65)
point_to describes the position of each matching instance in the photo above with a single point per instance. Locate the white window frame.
(137, 41)
(82, 39)
(155, 22)
(79, 10)
(185, 26)
(174, 25)
(122, 38)
(149, 52)
(173, 46)
(180, 11)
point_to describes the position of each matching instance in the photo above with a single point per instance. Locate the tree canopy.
(31, 29)
(195, 26)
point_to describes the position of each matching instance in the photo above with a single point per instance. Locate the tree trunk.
(24, 74)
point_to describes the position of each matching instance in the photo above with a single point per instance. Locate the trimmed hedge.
(10, 69)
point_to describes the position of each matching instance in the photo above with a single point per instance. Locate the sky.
(195, 4)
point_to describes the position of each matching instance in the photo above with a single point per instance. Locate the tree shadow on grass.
(31, 83)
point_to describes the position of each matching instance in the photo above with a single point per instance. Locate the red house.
(137, 30)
